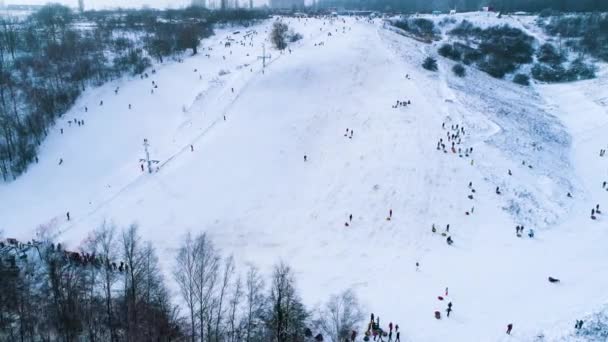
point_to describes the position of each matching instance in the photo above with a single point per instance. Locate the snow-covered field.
(247, 184)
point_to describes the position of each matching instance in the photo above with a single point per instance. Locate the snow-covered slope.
(246, 181)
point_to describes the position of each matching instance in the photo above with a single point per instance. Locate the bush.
(508, 43)
(421, 28)
(459, 70)
(278, 35)
(448, 51)
(496, 66)
(522, 79)
(430, 64)
(547, 53)
(579, 70)
(549, 73)
(294, 37)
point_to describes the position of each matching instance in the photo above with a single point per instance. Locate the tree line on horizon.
(468, 5)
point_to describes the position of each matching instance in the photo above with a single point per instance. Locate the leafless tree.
(254, 301)
(227, 274)
(340, 315)
(185, 276)
(206, 272)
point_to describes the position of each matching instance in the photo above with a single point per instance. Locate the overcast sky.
(92, 4)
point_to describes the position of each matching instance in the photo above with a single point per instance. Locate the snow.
(246, 182)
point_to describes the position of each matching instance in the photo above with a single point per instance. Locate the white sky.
(96, 4)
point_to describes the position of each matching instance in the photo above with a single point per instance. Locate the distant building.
(287, 4)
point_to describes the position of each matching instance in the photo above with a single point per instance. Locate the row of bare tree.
(45, 297)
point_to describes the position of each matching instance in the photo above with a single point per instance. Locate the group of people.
(402, 103)
(454, 136)
(595, 211)
(376, 333)
(519, 231)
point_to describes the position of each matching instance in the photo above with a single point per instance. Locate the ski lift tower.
(264, 57)
(147, 160)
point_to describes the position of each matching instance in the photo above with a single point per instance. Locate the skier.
(446, 291)
(510, 173)
(305, 158)
(67, 215)
(101, 103)
(353, 336)
(129, 106)
(390, 326)
(191, 148)
(350, 218)
(142, 167)
(61, 130)
(433, 229)
(531, 233)
(498, 190)
(509, 328)
(60, 161)
(397, 338)
(417, 266)
(449, 240)
(449, 310)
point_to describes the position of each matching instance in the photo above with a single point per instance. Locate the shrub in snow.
(419, 27)
(459, 70)
(586, 33)
(294, 37)
(278, 35)
(497, 66)
(579, 70)
(549, 73)
(448, 51)
(547, 53)
(430, 63)
(522, 79)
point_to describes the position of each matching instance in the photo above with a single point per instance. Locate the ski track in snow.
(246, 182)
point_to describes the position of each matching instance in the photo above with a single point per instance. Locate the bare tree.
(287, 316)
(206, 271)
(340, 315)
(106, 245)
(185, 276)
(235, 300)
(255, 301)
(227, 275)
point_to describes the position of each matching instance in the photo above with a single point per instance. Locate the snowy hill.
(231, 138)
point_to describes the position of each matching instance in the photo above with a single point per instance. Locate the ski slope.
(231, 138)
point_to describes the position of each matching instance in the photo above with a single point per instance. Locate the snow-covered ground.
(246, 182)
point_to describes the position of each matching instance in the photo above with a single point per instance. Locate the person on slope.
(509, 328)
